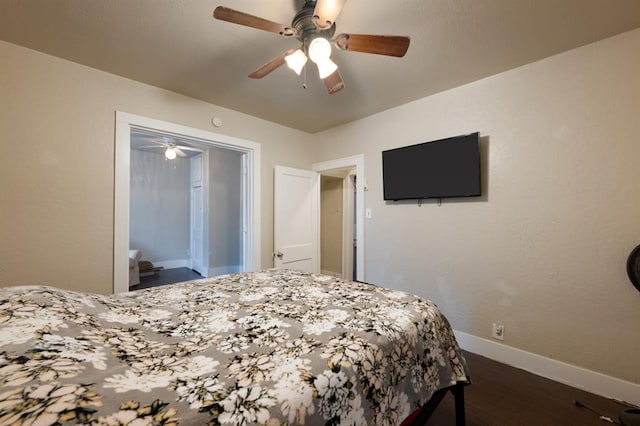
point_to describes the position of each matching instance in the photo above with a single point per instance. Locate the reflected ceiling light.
(170, 153)
(296, 61)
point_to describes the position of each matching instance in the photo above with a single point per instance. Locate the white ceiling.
(177, 45)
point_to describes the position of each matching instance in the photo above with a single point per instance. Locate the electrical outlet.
(497, 332)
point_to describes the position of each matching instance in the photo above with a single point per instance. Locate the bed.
(275, 347)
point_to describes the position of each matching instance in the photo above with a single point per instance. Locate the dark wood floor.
(166, 276)
(503, 395)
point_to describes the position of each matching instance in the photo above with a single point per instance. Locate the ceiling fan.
(172, 149)
(314, 26)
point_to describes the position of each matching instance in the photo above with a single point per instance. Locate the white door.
(296, 227)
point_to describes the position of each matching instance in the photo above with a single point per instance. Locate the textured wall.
(57, 193)
(545, 249)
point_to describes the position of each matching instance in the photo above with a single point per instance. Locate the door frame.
(198, 265)
(347, 225)
(356, 162)
(125, 122)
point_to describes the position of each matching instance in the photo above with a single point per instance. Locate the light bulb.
(326, 67)
(170, 153)
(319, 49)
(296, 61)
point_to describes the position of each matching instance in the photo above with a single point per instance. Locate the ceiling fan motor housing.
(305, 27)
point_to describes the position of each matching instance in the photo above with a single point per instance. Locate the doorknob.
(279, 255)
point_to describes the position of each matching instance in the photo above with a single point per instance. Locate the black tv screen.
(439, 169)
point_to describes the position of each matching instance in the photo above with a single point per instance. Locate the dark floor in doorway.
(166, 276)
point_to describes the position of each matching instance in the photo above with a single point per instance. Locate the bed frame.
(421, 416)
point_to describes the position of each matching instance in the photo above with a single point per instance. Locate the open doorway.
(186, 210)
(338, 240)
(215, 151)
(350, 171)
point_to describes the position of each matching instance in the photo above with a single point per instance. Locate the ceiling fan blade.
(377, 44)
(271, 65)
(235, 17)
(327, 11)
(152, 139)
(334, 82)
(189, 148)
(179, 152)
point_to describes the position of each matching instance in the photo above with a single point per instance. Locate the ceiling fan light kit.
(170, 153)
(326, 67)
(326, 12)
(314, 26)
(170, 145)
(320, 53)
(319, 49)
(296, 61)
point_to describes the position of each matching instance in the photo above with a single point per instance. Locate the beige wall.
(57, 193)
(545, 250)
(331, 224)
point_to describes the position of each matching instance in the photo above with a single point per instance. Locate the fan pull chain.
(304, 78)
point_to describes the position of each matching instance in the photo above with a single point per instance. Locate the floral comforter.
(275, 347)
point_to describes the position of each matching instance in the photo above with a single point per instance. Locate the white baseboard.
(222, 270)
(171, 264)
(578, 377)
(331, 273)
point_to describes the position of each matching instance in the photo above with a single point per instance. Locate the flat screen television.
(439, 169)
